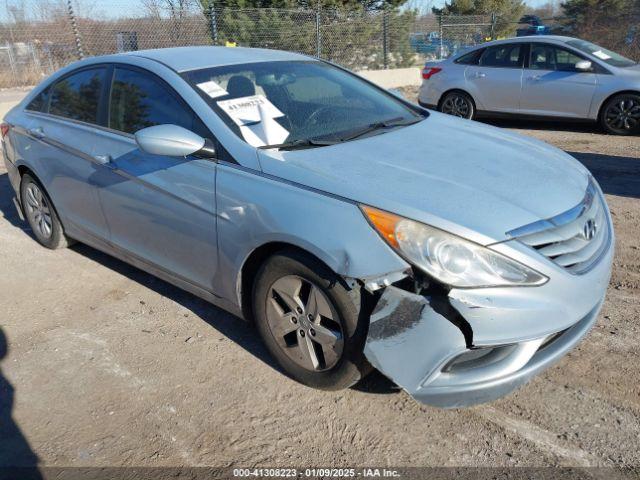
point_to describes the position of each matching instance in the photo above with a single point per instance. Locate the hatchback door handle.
(36, 132)
(103, 159)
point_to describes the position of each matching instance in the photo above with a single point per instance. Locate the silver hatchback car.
(354, 228)
(548, 77)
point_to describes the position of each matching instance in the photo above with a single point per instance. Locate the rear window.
(78, 95)
(505, 56)
(471, 58)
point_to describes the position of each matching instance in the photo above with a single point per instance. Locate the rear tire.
(458, 104)
(621, 115)
(313, 325)
(41, 214)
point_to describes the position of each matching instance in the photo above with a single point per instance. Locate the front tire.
(621, 115)
(41, 214)
(458, 104)
(313, 325)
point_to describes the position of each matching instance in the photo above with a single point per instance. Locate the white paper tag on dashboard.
(601, 55)
(212, 89)
(255, 115)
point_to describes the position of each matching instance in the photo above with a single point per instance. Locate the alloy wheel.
(624, 114)
(38, 211)
(304, 323)
(457, 105)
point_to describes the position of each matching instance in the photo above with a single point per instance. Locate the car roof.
(530, 39)
(183, 59)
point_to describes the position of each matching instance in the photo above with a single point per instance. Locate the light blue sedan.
(545, 77)
(354, 228)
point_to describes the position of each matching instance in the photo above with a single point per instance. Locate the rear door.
(496, 81)
(552, 85)
(160, 209)
(60, 133)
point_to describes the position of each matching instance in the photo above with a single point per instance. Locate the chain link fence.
(32, 48)
(48, 34)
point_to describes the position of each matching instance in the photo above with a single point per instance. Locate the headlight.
(448, 258)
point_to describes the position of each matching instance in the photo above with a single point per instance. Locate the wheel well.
(606, 100)
(251, 266)
(456, 90)
(23, 169)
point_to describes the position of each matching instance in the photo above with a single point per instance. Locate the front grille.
(574, 239)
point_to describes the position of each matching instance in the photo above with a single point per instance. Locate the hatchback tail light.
(4, 128)
(428, 72)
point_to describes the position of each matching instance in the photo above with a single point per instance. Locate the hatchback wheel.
(621, 115)
(458, 104)
(41, 214)
(311, 323)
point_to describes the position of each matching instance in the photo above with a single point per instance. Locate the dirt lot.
(110, 366)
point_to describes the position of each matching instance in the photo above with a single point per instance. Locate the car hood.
(462, 176)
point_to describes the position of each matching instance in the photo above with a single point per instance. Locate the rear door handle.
(36, 132)
(480, 75)
(535, 78)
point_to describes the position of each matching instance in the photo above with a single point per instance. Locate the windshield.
(274, 103)
(612, 58)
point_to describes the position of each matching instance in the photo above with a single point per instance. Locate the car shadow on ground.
(17, 459)
(616, 175)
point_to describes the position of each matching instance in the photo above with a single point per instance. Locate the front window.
(549, 57)
(271, 103)
(611, 58)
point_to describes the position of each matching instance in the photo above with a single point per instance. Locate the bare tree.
(176, 10)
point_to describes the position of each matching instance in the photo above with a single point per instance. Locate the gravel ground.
(109, 366)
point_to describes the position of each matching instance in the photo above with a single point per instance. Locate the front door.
(162, 210)
(552, 86)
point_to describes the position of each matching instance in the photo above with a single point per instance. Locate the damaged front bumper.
(465, 347)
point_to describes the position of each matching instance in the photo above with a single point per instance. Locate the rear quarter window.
(471, 58)
(77, 96)
(40, 102)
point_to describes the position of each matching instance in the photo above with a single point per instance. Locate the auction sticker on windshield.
(255, 115)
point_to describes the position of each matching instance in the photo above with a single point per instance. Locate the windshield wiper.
(393, 122)
(300, 144)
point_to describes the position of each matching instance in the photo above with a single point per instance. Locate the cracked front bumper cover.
(416, 343)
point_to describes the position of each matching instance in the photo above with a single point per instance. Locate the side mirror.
(584, 65)
(173, 141)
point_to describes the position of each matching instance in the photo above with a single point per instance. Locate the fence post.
(318, 35)
(213, 23)
(441, 33)
(493, 25)
(385, 38)
(74, 28)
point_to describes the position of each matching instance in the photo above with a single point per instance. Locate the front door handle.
(36, 132)
(480, 75)
(103, 159)
(535, 78)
